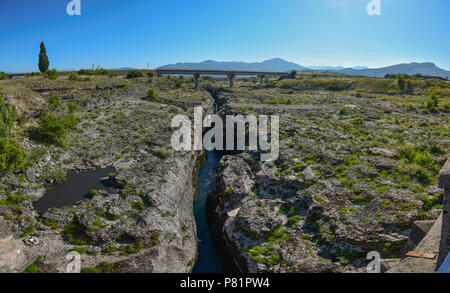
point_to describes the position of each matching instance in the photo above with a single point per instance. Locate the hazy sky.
(118, 33)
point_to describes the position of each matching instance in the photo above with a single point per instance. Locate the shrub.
(12, 156)
(99, 71)
(102, 71)
(54, 102)
(60, 175)
(75, 77)
(51, 74)
(358, 121)
(8, 116)
(423, 160)
(4, 76)
(446, 108)
(152, 94)
(408, 152)
(90, 271)
(110, 249)
(32, 269)
(401, 82)
(80, 250)
(72, 107)
(31, 74)
(344, 111)
(162, 154)
(135, 74)
(54, 130)
(433, 103)
(150, 74)
(85, 72)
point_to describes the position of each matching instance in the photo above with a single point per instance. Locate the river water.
(209, 260)
(76, 188)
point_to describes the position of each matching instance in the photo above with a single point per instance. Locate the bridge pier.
(231, 78)
(196, 77)
(444, 182)
(261, 80)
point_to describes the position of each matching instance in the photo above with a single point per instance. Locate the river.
(209, 260)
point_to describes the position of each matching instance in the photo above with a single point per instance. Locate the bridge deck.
(219, 72)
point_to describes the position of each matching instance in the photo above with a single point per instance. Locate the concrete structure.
(419, 230)
(444, 182)
(231, 74)
(430, 244)
(436, 241)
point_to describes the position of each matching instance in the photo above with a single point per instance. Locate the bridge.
(231, 74)
(16, 74)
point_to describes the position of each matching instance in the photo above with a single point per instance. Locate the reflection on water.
(74, 189)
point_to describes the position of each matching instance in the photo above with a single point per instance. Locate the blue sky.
(118, 33)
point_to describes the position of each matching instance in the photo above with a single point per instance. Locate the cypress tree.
(43, 59)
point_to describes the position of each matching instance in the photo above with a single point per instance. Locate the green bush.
(423, 159)
(99, 71)
(433, 103)
(401, 82)
(8, 116)
(75, 77)
(358, 121)
(152, 94)
(51, 74)
(90, 271)
(86, 72)
(72, 107)
(54, 102)
(32, 269)
(54, 130)
(12, 156)
(4, 76)
(135, 74)
(80, 250)
(150, 74)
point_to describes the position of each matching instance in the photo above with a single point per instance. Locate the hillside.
(427, 68)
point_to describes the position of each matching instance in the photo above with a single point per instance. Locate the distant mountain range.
(334, 68)
(426, 68)
(276, 64)
(280, 65)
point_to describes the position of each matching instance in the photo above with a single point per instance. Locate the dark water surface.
(209, 260)
(74, 189)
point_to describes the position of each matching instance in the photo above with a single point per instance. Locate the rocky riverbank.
(145, 223)
(355, 171)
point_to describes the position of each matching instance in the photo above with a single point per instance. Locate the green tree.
(43, 59)
(293, 74)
